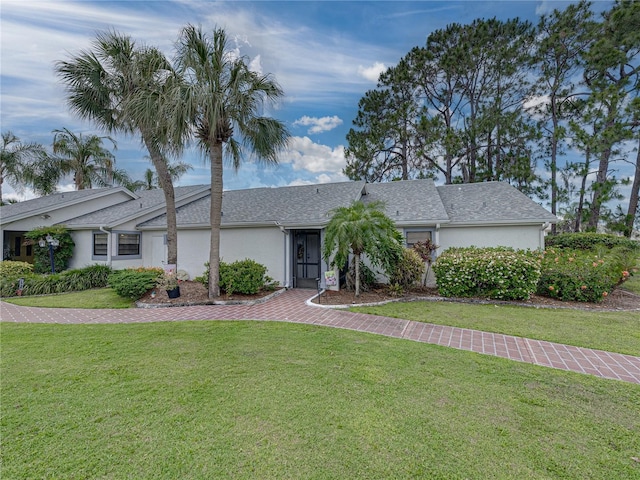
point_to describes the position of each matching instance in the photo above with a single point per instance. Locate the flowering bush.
(589, 241)
(583, 275)
(498, 273)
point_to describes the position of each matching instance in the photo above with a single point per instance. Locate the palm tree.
(222, 97)
(17, 160)
(361, 229)
(176, 170)
(122, 87)
(84, 157)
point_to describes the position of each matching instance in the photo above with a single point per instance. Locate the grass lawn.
(97, 298)
(611, 331)
(247, 400)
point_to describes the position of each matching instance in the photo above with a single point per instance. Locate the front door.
(307, 259)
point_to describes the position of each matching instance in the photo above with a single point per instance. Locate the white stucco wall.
(518, 237)
(264, 245)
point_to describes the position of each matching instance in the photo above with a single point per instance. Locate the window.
(417, 236)
(100, 244)
(128, 244)
(17, 246)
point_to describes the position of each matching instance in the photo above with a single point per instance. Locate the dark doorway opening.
(306, 258)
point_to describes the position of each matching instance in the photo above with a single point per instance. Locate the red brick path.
(291, 306)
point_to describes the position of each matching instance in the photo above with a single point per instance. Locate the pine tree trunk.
(633, 199)
(356, 259)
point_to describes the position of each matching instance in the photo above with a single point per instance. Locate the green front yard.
(611, 331)
(203, 400)
(96, 298)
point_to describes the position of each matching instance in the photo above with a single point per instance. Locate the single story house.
(282, 228)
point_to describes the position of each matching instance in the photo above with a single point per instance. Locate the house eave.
(492, 223)
(50, 208)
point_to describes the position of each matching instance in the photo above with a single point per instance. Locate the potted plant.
(169, 282)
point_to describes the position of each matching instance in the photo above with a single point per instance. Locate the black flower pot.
(174, 293)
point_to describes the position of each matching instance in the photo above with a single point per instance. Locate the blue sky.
(325, 55)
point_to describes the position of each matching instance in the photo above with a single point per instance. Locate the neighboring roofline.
(422, 223)
(489, 223)
(264, 223)
(180, 201)
(50, 208)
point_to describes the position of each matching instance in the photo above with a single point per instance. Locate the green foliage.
(362, 229)
(367, 277)
(589, 241)
(498, 273)
(134, 282)
(61, 254)
(9, 268)
(94, 276)
(583, 275)
(408, 271)
(242, 276)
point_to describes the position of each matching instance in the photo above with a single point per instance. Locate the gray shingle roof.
(295, 205)
(408, 202)
(147, 201)
(411, 201)
(15, 211)
(488, 202)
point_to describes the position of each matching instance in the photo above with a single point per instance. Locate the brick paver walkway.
(292, 306)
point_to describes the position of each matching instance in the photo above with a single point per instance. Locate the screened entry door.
(307, 259)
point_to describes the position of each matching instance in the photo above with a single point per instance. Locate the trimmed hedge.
(589, 241)
(496, 273)
(94, 276)
(134, 282)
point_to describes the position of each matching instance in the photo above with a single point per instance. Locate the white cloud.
(319, 125)
(322, 178)
(373, 72)
(255, 65)
(304, 154)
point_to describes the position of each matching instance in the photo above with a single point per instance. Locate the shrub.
(367, 277)
(94, 276)
(498, 273)
(583, 275)
(9, 268)
(134, 282)
(61, 254)
(408, 271)
(589, 241)
(242, 276)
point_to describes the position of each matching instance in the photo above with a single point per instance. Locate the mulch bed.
(194, 293)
